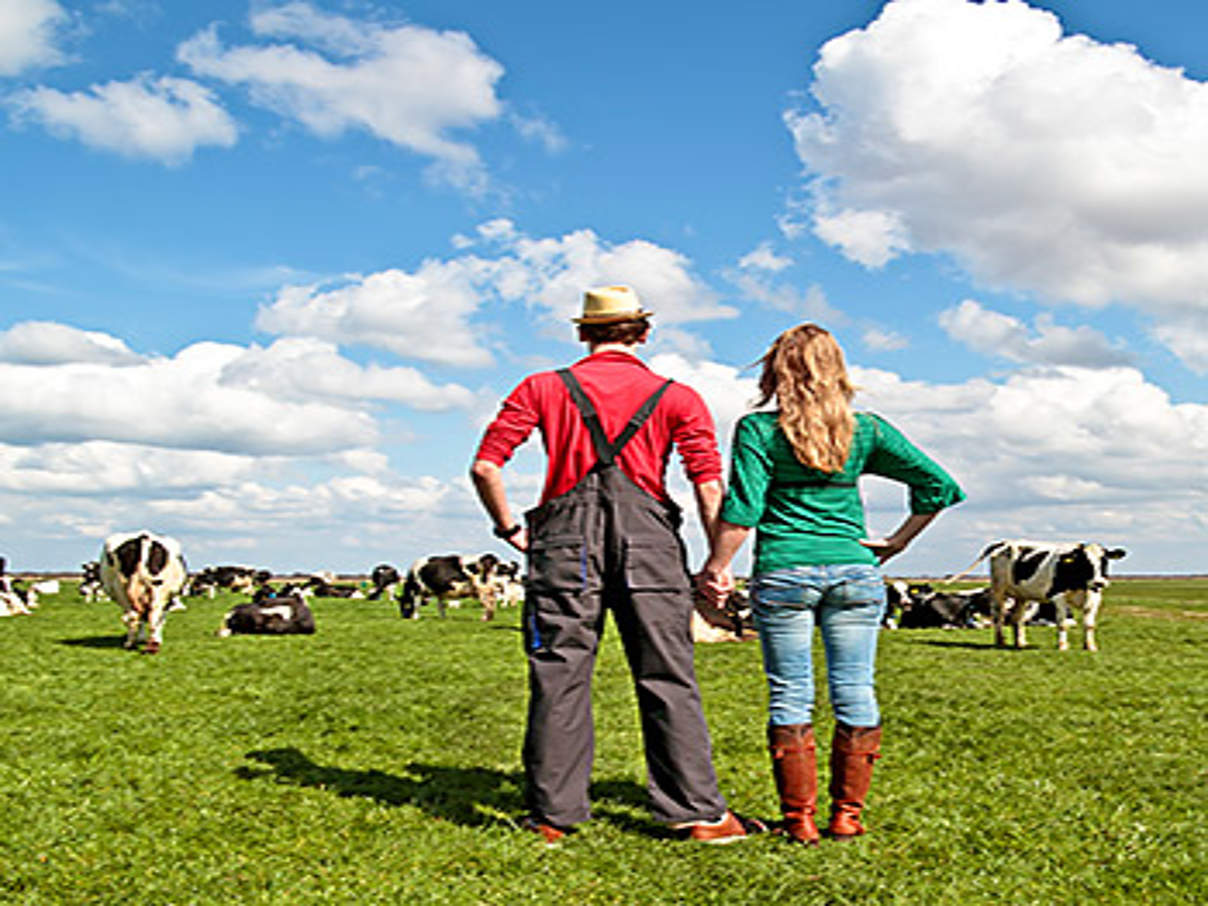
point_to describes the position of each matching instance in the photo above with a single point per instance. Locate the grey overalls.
(607, 544)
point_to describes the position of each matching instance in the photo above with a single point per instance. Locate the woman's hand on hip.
(884, 548)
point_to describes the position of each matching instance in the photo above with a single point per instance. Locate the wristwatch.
(505, 533)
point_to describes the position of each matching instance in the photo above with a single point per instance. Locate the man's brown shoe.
(553, 835)
(727, 829)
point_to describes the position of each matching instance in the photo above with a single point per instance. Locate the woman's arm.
(716, 579)
(885, 548)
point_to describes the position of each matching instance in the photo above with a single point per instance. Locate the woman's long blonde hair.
(804, 370)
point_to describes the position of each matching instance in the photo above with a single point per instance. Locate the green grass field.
(378, 762)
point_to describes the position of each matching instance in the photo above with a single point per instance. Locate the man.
(605, 537)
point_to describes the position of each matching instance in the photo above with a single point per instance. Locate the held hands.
(715, 583)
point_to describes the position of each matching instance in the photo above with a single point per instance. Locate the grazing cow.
(385, 579)
(1069, 574)
(142, 572)
(280, 612)
(441, 578)
(730, 623)
(90, 584)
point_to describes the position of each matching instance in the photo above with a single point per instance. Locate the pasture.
(378, 762)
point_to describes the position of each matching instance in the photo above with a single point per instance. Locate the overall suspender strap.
(607, 451)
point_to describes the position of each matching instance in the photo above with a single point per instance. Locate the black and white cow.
(496, 583)
(443, 578)
(385, 579)
(1070, 574)
(900, 596)
(271, 612)
(324, 585)
(242, 579)
(90, 582)
(143, 572)
(15, 597)
(931, 609)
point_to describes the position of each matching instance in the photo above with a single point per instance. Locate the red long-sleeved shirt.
(617, 383)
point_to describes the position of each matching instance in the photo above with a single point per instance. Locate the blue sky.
(266, 269)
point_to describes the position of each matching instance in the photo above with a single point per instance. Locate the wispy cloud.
(995, 334)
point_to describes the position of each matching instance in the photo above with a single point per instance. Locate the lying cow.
(1070, 574)
(441, 578)
(15, 598)
(143, 572)
(931, 609)
(280, 612)
(385, 579)
(323, 585)
(239, 579)
(899, 597)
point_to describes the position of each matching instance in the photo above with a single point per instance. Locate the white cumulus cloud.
(407, 85)
(1040, 161)
(178, 402)
(431, 313)
(164, 119)
(303, 369)
(49, 343)
(29, 34)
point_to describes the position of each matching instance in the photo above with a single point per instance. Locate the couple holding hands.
(605, 536)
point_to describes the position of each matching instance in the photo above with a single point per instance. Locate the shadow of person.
(96, 641)
(466, 796)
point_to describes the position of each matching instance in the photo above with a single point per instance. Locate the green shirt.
(806, 517)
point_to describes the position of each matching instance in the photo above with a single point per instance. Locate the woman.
(793, 479)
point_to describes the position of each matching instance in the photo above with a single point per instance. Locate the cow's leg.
(1018, 612)
(156, 617)
(487, 597)
(998, 606)
(441, 605)
(131, 619)
(1089, 601)
(1062, 611)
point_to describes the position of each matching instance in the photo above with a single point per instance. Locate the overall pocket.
(654, 567)
(557, 563)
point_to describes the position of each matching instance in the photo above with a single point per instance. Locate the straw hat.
(607, 304)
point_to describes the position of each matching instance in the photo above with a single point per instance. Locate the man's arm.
(488, 482)
(709, 495)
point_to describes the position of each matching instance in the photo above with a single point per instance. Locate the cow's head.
(1085, 566)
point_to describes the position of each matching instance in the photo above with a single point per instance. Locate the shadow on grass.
(467, 796)
(96, 641)
(971, 646)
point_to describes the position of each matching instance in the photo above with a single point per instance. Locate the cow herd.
(1031, 583)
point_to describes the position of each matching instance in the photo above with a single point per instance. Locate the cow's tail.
(972, 566)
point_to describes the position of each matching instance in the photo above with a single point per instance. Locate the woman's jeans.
(847, 602)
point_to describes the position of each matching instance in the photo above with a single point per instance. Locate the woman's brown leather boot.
(853, 751)
(795, 767)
